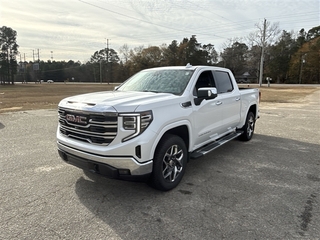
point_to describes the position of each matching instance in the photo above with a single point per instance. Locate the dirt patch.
(42, 96)
(21, 97)
(286, 95)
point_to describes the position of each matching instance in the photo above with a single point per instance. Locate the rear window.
(223, 82)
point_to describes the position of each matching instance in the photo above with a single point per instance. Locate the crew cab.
(152, 124)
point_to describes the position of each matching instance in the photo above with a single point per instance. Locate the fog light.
(138, 151)
(124, 172)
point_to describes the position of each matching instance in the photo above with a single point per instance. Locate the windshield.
(160, 81)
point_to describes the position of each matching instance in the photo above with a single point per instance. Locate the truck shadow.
(223, 180)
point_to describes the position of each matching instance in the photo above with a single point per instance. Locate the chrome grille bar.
(98, 128)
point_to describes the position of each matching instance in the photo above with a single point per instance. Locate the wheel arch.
(182, 130)
(253, 109)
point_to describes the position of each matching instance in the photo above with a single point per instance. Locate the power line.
(141, 20)
(225, 28)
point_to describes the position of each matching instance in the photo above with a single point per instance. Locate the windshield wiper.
(150, 91)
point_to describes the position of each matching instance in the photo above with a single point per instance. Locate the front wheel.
(169, 163)
(248, 127)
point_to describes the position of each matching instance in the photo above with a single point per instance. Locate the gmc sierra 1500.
(150, 125)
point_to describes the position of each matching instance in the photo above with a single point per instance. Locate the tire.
(169, 163)
(248, 127)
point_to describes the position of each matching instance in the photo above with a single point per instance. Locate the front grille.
(94, 128)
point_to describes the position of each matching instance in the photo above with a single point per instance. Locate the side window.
(223, 82)
(205, 80)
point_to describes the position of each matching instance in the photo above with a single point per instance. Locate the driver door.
(207, 115)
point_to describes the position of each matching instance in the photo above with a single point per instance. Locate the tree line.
(287, 58)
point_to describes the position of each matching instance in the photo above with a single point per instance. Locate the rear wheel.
(169, 163)
(248, 127)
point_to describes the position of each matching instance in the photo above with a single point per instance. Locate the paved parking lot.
(268, 188)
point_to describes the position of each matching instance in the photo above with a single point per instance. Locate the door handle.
(238, 98)
(218, 103)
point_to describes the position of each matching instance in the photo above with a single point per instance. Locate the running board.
(211, 146)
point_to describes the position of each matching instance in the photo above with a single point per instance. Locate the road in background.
(268, 188)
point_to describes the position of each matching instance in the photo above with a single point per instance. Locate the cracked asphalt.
(268, 188)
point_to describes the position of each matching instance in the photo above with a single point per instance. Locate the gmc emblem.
(76, 119)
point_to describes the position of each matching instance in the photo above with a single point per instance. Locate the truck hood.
(114, 101)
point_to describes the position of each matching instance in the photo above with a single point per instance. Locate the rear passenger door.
(230, 100)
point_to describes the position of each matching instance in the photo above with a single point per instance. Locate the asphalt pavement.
(267, 188)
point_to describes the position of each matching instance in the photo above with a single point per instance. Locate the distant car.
(50, 81)
(243, 80)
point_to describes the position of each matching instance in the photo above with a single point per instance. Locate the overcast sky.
(75, 29)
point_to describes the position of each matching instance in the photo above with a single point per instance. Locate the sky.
(74, 29)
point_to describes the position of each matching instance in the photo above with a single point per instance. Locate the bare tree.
(125, 52)
(264, 35)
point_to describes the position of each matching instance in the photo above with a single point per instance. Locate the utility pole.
(302, 61)
(262, 51)
(33, 67)
(100, 72)
(107, 50)
(107, 62)
(39, 74)
(21, 69)
(25, 67)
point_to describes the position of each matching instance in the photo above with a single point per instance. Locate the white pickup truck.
(149, 126)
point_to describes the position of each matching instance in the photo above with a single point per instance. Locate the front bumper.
(113, 167)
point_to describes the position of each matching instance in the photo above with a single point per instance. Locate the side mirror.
(205, 93)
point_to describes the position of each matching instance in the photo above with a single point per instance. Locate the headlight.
(138, 122)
